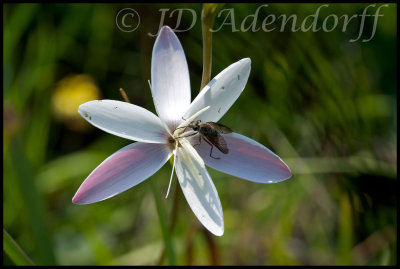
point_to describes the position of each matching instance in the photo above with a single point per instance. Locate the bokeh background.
(325, 105)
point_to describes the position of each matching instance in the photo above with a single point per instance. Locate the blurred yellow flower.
(69, 94)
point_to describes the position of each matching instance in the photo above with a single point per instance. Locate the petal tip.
(168, 38)
(166, 31)
(76, 199)
(80, 198)
(247, 60)
(82, 107)
(165, 28)
(244, 65)
(244, 62)
(287, 172)
(283, 174)
(219, 232)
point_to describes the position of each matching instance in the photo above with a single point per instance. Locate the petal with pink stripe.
(246, 159)
(124, 169)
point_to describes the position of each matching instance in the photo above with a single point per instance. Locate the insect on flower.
(161, 136)
(211, 133)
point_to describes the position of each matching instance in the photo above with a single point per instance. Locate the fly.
(211, 133)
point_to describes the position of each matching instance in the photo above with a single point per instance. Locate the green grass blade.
(14, 251)
(34, 207)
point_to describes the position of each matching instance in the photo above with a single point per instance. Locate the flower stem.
(207, 17)
(212, 248)
(174, 215)
(160, 210)
(163, 223)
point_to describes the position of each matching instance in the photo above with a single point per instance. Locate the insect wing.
(220, 128)
(218, 141)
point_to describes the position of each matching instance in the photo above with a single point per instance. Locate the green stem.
(174, 216)
(207, 17)
(163, 223)
(212, 247)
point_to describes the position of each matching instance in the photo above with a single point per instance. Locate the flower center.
(181, 128)
(173, 139)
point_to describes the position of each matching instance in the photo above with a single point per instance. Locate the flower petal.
(221, 92)
(170, 82)
(198, 188)
(124, 120)
(246, 159)
(124, 169)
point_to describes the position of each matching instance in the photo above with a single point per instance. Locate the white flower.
(158, 140)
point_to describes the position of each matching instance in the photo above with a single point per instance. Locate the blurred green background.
(325, 105)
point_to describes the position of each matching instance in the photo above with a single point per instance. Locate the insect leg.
(199, 142)
(217, 158)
